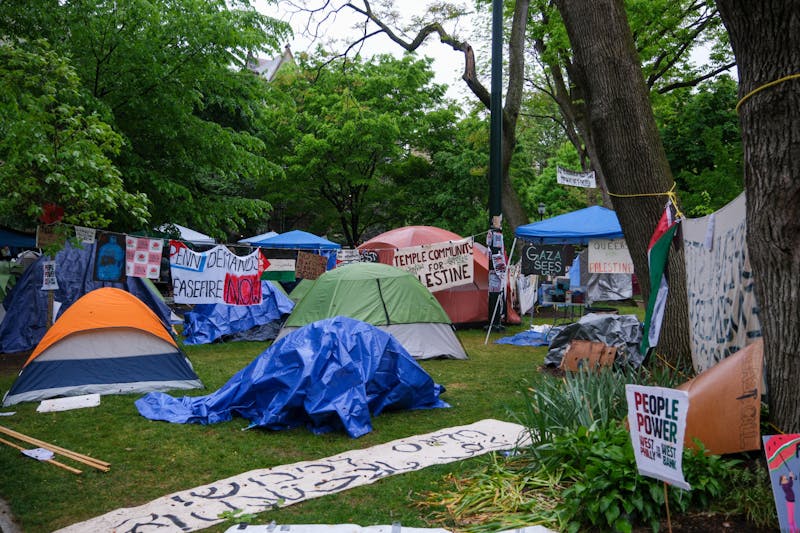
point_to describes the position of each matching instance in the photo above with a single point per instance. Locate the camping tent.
(27, 305)
(189, 235)
(332, 374)
(301, 289)
(108, 342)
(391, 299)
(577, 227)
(465, 304)
(206, 323)
(256, 239)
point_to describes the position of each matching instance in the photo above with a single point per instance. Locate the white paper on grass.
(66, 404)
(40, 454)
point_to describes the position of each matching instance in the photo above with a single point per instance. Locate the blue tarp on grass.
(328, 375)
(207, 323)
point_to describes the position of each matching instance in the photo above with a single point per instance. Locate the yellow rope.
(765, 86)
(669, 194)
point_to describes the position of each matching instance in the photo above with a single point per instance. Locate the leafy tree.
(766, 41)
(344, 133)
(164, 75)
(52, 150)
(701, 135)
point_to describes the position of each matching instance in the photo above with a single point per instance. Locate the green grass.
(151, 459)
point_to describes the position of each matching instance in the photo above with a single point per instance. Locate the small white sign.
(576, 179)
(49, 281)
(86, 235)
(657, 420)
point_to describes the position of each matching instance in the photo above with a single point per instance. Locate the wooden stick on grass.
(52, 462)
(81, 458)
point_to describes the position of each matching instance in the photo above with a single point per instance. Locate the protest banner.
(109, 260)
(310, 266)
(657, 423)
(215, 276)
(576, 179)
(782, 452)
(143, 257)
(609, 256)
(438, 266)
(547, 259)
(345, 256)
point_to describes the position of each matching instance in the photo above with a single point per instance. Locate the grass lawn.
(151, 459)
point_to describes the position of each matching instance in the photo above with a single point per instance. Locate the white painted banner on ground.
(609, 256)
(260, 490)
(576, 179)
(438, 266)
(657, 420)
(215, 276)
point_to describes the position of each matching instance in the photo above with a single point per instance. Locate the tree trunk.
(607, 69)
(765, 36)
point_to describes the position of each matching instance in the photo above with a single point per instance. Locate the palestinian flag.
(657, 253)
(278, 269)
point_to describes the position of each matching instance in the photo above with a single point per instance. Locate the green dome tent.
(387, 297)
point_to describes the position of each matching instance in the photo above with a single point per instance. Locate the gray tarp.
(622, 331)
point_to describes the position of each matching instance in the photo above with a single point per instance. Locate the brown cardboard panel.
(725, 403)
(587, 354)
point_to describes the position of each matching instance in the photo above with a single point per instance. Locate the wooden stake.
(60, 465)
(666, 504)
(81, 458)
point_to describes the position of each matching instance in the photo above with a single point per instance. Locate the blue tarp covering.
(208, 322)
(578, 227)
(16, 239)
(26, 304)
(329, 375)
(525, 338)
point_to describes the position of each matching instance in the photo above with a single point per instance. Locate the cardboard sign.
(657, 423)
(725, 412)
(609, 256)
(47, 235)
(547, 259)
(310, 266)
(589, 355)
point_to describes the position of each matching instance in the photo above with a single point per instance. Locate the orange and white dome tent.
(107, 342)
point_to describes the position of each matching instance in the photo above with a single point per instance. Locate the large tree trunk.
(765, 36)
(607, 69)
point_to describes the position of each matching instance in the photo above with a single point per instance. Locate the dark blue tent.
(26, 304)
(17, 239)
(302, 240)
(209, 322)
(577, 227)
(329, 375)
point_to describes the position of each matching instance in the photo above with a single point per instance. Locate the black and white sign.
(547, 259)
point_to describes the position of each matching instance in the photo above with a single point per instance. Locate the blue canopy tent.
(577, 227)
(302, 240)
(17, 239)
(256, 240)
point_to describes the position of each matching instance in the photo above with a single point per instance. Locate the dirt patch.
(11, 363)
(705, 523)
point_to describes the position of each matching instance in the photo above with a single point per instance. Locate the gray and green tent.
(386, 297)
